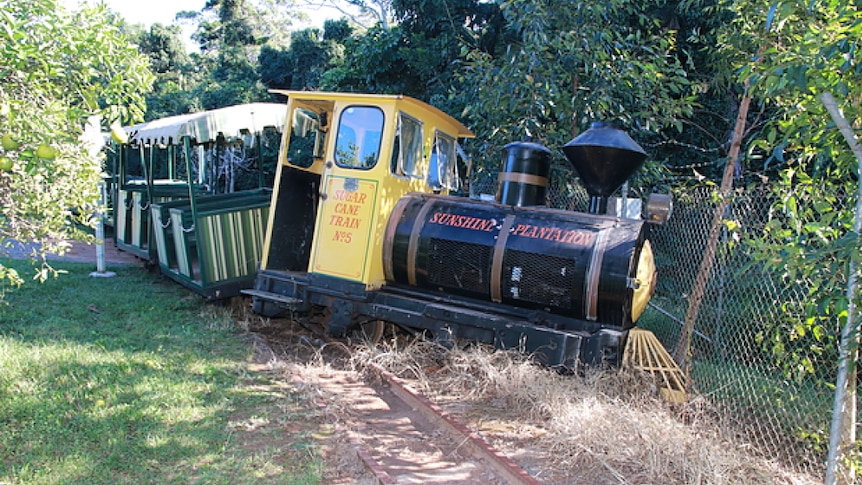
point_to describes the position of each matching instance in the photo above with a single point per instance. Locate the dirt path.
(405, 447)
(80, 253)
(380, 436)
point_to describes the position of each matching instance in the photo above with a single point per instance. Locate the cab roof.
(463, 131)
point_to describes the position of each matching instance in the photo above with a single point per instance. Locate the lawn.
(135, 380)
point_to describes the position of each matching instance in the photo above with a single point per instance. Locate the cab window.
(443, 166)
(359, 135)
(306, 138)
(407, 150)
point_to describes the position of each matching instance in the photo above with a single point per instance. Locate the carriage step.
(281, 300)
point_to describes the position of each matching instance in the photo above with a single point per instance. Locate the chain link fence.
(771, 384)
(768, 384)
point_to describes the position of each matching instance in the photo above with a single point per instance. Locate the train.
(190, 194)
(370, 225)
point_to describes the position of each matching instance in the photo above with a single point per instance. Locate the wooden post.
(682, 352)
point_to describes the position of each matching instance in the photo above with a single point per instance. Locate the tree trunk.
(682, 352)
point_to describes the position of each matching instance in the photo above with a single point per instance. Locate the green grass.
(135, 380)
(791, 416)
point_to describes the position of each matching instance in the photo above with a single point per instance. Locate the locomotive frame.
(347, 165)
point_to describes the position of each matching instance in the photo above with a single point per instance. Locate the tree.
(56, 70)
(559, 66)
(415, 57)
(174, 70)
(809, 54)
(361, 13)
(274, 20)
(229, 46)
(310, 54)
(380, 61)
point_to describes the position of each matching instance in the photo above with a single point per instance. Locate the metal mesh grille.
(453, 264)
(537, 278)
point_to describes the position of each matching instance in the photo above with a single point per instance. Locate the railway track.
(402, 436)
(443, 449)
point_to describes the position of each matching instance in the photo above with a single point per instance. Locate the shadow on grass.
(127, 380)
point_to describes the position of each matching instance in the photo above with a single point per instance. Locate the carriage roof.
(206, 126)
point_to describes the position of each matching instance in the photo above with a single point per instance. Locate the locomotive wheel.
(370, 332)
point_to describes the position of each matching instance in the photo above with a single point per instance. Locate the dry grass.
(604, 427)
(290, 353)
(601, 427)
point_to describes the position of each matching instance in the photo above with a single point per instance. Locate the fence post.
(842, 433)
(682, 352)
(101, 271)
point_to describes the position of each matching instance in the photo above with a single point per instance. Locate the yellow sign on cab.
(344, 227)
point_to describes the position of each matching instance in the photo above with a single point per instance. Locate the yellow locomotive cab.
(362, 153)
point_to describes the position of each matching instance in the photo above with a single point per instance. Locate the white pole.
(100, 231)
(843, 430)
(100, 236)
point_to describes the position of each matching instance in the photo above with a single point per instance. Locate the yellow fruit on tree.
(5, 164)
(46, 152)
(8, 142)
(118, 134)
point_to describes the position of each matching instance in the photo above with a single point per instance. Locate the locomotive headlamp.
(658, 208)
(645, 280)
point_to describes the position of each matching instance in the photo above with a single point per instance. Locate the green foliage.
(165, 48)
(753, 397)
(808, 242)
(224, 71)
(175, 73)
(232, 80)
(804, 50)
(274, 67)
(337, 30)
(380, 61)
(416, 57)
(566, 65)
(233, 27)
(58, 69)
(300, 66)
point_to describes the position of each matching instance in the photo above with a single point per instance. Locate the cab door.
(347, 219)
(293, 210)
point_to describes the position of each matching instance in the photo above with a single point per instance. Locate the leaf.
(770, 16)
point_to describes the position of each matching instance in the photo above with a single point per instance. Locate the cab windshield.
(359, 137)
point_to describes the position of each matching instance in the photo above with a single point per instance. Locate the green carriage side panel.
(159, 235)
(121, 213)
(207, 229)
(182, 245)
(139, 200)
(231, 242)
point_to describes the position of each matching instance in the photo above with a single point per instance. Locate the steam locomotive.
(365, 230)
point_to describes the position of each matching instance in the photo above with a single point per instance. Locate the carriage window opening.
(407, 150)
(359, 135)
(463, 170)
(306, 138)
(443, 170)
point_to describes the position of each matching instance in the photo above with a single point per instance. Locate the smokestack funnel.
(604, 157)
